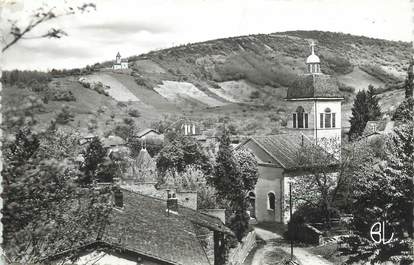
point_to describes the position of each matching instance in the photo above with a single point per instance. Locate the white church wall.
(270, 180)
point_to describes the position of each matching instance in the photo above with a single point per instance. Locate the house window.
(271, 201)
(333, 120)
(300, 118)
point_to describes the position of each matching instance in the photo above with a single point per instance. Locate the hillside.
(243, 79)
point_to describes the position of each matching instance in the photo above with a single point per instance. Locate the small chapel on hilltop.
(120, 63)
(316, 103)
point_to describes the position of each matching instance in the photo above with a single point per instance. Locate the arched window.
(300, 118)
(328, 119)
(271, 201)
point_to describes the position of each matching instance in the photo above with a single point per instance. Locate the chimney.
(118, 198)
(172, 202)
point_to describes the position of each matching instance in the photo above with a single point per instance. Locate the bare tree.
(326, 175)
(20, 28)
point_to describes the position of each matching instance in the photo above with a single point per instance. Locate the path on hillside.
(275, 242)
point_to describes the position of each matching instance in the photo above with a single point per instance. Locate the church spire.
(313, 62)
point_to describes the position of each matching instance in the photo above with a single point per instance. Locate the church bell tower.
(315, 102)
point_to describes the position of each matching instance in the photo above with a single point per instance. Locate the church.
(120, 63)
(316, 101)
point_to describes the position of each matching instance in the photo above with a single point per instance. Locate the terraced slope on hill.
(243, 78)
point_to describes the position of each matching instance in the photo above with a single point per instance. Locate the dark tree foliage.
(374, 110)
(226, 177)
(180, 152)
(235, 173)
(383, 193)
(404, 111)
(94, 156)
(44, 210)
(359, 115)
(365, 108)
(409, 81)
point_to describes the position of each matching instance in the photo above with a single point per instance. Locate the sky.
(134, 27)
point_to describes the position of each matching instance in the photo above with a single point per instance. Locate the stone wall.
(239, 254)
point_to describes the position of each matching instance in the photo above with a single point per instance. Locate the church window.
(306, 120)
(300, 111)
(294, 120)
(328, 118)
(321, 120)
(300, 118)
(271, 201)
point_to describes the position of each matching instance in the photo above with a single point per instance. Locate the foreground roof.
(314, 86)
(143, 226)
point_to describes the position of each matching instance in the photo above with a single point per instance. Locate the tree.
(235, 174)
(94, 156)
(40, 16)
(404, 111)
(359, 115)
(326, 180)
(409, 81)
(384, 193)
(365, 108)
(180, 152)
(44, 210)
(374, 110)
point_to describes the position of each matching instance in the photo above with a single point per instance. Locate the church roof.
(313, 58)
(281, 147)
(118, 55)
(314, 86)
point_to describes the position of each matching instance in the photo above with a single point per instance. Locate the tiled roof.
(314, 86)
(146, 131)
(144, 226)
(282, 147)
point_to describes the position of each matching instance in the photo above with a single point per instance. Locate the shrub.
(64, 116)
(344, 88)
(255, 95)
(121, 104)
(134, 113)
(63, 95)
(36, 86)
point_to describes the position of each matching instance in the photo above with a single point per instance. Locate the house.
(150, 136)
(186, 127)
(120, 63)
(316, 101)
(145, 230)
